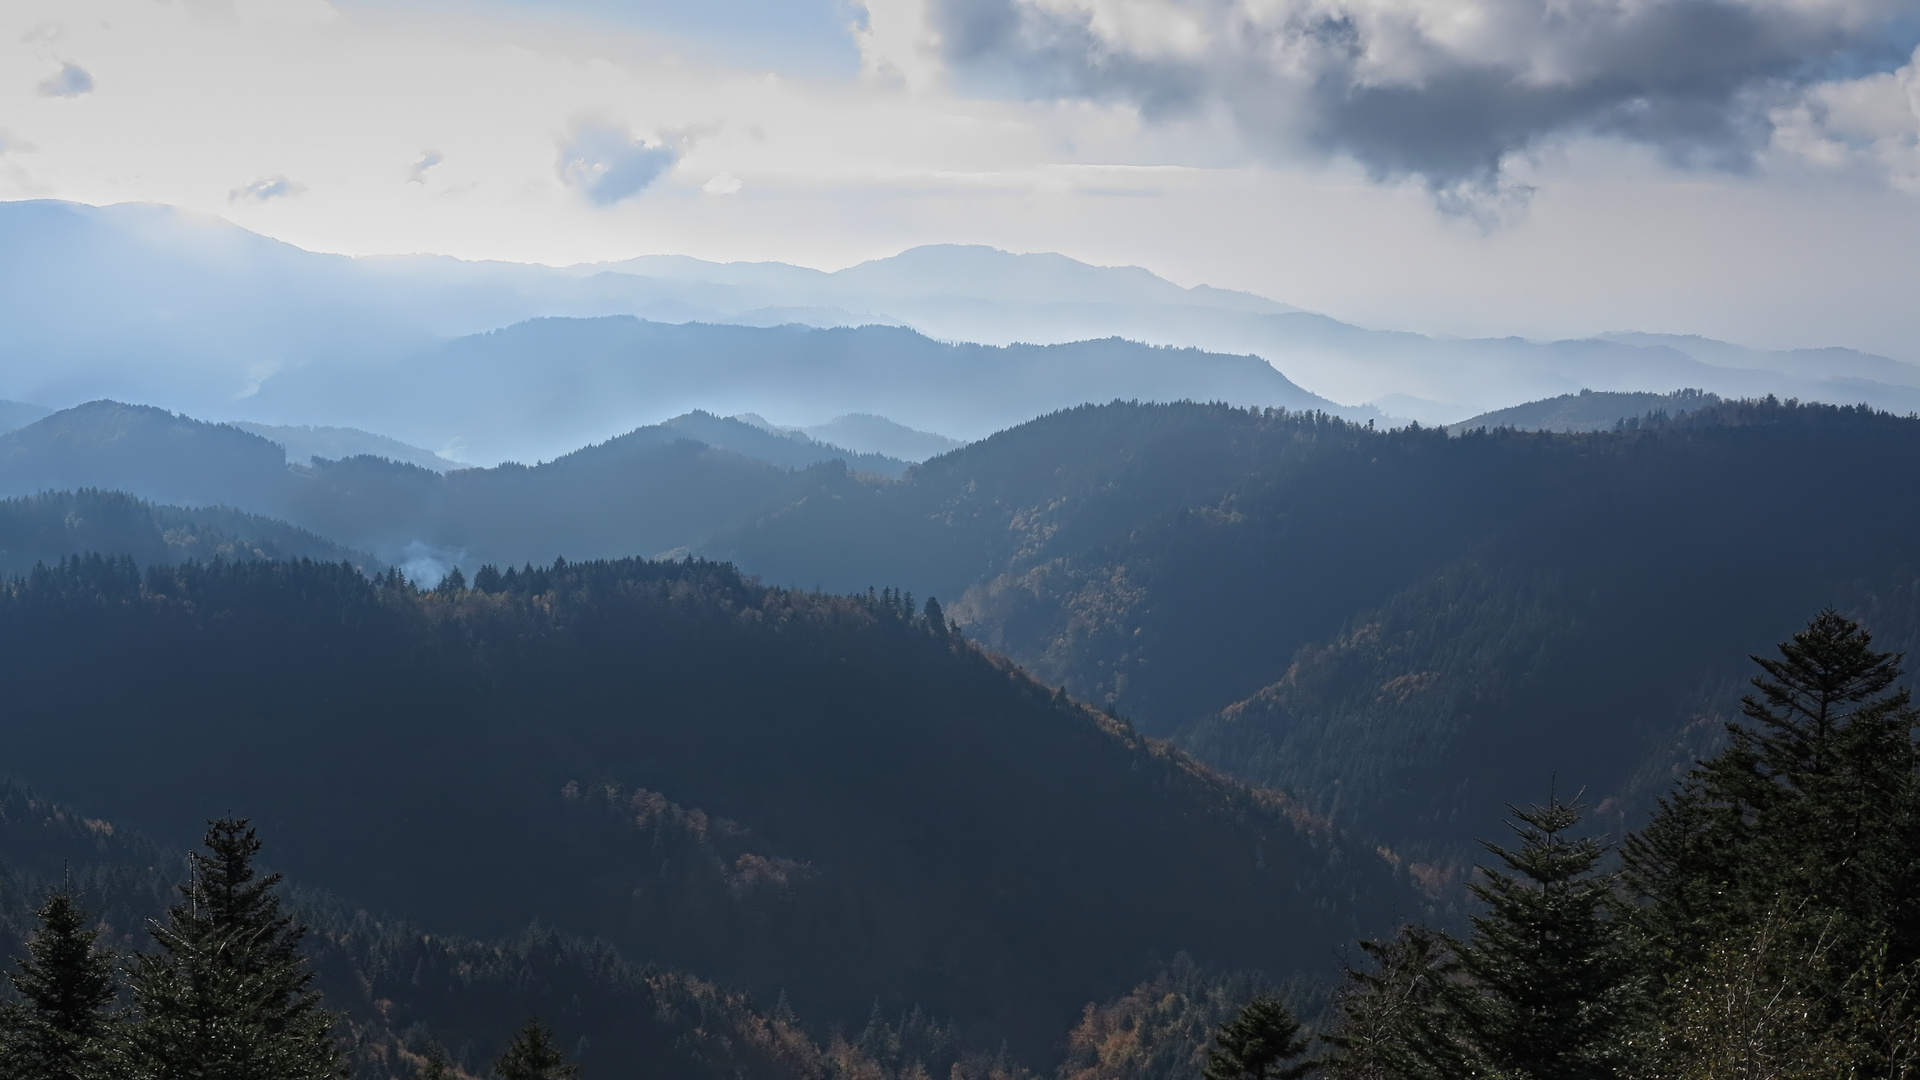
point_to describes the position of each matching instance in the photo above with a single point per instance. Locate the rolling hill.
(1587, 411)
(1404, 629)
(649, 491)
(833, 798)
(55, 525)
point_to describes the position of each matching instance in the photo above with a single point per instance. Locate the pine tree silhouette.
(61, 1029)
(1258, 1044)
(1551, 986)
(226, 997)
(532, 1055)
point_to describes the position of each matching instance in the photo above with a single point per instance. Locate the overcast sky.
(1746, 169)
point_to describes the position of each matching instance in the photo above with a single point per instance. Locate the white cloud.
(71, 80)
(1868, 127)
(417, 172)
(266, 187)
(606, 164)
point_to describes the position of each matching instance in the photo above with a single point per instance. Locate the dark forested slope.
(397, 989)
(1405, 629)
(823, 795)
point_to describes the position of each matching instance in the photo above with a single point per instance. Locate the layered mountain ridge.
(149, 304)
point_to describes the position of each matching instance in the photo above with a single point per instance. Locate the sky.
(1743, 169)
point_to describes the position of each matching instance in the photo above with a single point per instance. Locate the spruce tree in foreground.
(1804, 835)
(60, 1029)
(226, 997)
(1551, 991)
(1818, 800)
(1264, 1042)
(532, 1055)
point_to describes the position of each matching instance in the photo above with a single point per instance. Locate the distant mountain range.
(539, 389)
(17, 414)
(305, 442)
(867, 433)
(146, 303)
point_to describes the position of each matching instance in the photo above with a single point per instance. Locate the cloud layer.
(1440, 91)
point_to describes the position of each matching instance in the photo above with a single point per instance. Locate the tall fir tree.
(61, 1028)
(226, 996)
(1816, 798)
(1264, 1042)
(532, 1055)
(1552, 989)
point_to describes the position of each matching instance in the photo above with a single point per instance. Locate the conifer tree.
(1262, 1043)
(1817, 798)
(226, 996)
(532, 1055)
(1395, 1021)
(61, 1028)
(436, 1066)
(936, 618)
(1551, 990)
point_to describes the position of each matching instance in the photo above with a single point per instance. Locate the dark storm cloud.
(1376, 82)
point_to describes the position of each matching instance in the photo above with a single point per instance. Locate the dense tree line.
(224, 993)
(1764, 924)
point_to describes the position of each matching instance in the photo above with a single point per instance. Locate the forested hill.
(834, 797)
(1588, 410)
(1405, 629)
(400, 990)
(649, 491)
(51, 526)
